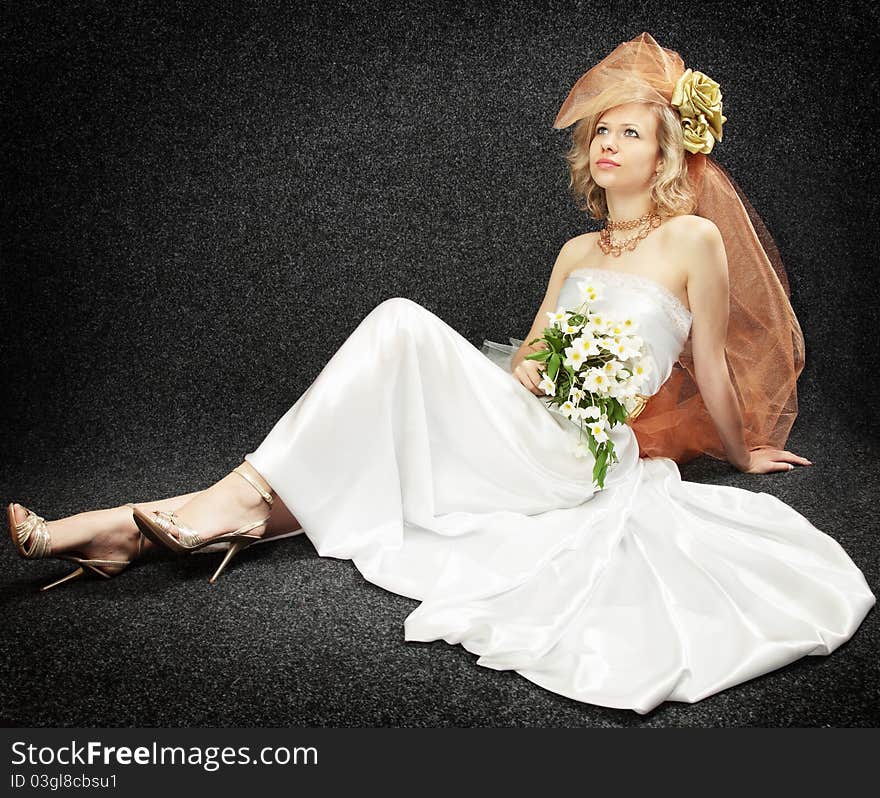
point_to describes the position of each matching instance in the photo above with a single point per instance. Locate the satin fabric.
(424, 461)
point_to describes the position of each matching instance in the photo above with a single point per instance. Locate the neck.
(622, 208)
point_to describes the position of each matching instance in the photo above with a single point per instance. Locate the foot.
(96, 535)
(226, 506)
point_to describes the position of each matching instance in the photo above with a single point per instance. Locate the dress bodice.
(663, 321)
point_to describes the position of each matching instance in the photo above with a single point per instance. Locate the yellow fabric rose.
(698, 100)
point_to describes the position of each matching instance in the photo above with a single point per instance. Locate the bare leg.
(230, 503)
(112, 534)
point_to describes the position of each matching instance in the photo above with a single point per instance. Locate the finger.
(772, 466)
(529, 384)
(535, 382)
(796, 458)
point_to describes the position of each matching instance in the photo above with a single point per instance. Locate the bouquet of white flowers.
(594, 368)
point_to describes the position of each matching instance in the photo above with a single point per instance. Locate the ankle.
(241, 494)
(256, 481)
(71, 533)
(82, 531)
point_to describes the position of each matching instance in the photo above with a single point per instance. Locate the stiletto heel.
(32, 540)
(72, 575)
(234, 549)
(162, 528)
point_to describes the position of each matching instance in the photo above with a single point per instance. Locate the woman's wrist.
(721, 401)
(525, 350)
(740, 462)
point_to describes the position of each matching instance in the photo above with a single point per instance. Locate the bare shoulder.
(697, 243)
(574, 251)
(579, 243)
(586, 239)
(692, 228)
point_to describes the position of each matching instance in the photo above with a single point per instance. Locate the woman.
(460, 489)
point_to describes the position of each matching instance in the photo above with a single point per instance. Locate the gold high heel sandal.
(32, 540)
(161, 528)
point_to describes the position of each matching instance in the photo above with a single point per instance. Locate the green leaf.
(592, 444)
(599, 475)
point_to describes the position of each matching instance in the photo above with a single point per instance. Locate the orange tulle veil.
(765, 345)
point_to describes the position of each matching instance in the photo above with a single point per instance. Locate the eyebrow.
(604, 121)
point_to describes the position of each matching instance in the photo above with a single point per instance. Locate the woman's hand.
(765, 459)
(528, 372)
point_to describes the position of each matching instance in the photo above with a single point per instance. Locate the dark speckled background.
(199, 203)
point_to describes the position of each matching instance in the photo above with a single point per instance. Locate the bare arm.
(709, 297)
(565, 260)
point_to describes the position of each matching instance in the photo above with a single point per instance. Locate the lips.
(607, 161)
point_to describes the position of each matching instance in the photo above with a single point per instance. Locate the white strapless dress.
(424, 461)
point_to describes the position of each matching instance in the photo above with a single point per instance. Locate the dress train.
(421, 459)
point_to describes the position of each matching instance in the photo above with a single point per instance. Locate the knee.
(397, 319)
(398, 309)
(399, 304)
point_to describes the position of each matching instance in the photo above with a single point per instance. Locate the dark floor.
(286, 638)
(201, 203)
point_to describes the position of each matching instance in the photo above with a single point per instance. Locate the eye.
(602, 127)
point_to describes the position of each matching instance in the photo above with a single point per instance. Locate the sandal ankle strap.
(33, 531)
(267, 497)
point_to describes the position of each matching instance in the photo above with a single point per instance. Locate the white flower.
(595, 381)
(559, 318)
(577, 413)
(576, 354)
(612, 367)
(627, 390)
(596, 323)
(581, 342)
(615, 386)
(626, 347)
(591, 411)
(576, 394)
(582, 449)
(547, 385)
(589, 344)
(590, 290)
(597, 430)
(607, 342)
(641, 368)
(629, 325)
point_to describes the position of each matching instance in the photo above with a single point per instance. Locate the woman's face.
(626, 135)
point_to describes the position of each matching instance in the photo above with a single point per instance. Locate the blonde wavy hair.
(671, 191)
